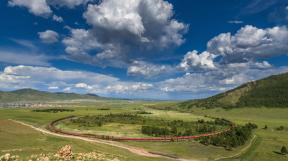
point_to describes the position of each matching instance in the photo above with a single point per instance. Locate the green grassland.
(263, 147)
(269, 141)
(135, 125)
(110, 129)
(24, 141)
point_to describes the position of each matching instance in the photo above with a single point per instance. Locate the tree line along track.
(51, 127)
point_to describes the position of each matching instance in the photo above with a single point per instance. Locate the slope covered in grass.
(34, 95)
(268, 92)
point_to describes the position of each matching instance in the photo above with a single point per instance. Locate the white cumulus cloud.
(119, 28)
(141, 68)
(53, 88)
(250, 43)
(83, 85)
(67, 3)
(57, 18)
(49, 36)
(131, 87)
(50, 78)
(36, 7)
(194, 61)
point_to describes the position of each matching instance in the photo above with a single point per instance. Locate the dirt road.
(242, 151)
(135, 150)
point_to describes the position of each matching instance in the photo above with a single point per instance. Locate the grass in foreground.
(24, 141)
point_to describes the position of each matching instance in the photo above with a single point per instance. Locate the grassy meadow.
(265, 145)
(23, 141)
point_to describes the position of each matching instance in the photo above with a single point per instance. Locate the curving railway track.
(51, 127)
(134, 150)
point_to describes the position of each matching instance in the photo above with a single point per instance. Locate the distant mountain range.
(26, 95)
(269, 92)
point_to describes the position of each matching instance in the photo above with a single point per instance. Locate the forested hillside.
(268, 92)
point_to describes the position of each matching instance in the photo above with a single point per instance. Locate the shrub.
(280, 128)
(144, 112)
(284, 150)
(154, 131)
(104, 109)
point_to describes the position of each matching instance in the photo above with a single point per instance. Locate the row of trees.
(160, 131)
(142, 112)
(53, 110)
(155, 131)
(155, 127)
(178, 130)
(237, 136)
(100, 120)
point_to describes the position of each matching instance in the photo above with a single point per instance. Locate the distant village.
(28, 105)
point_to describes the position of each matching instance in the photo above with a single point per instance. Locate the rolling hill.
(268, 92)
(24, 95)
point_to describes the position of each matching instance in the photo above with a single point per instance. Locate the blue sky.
(152, 49)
